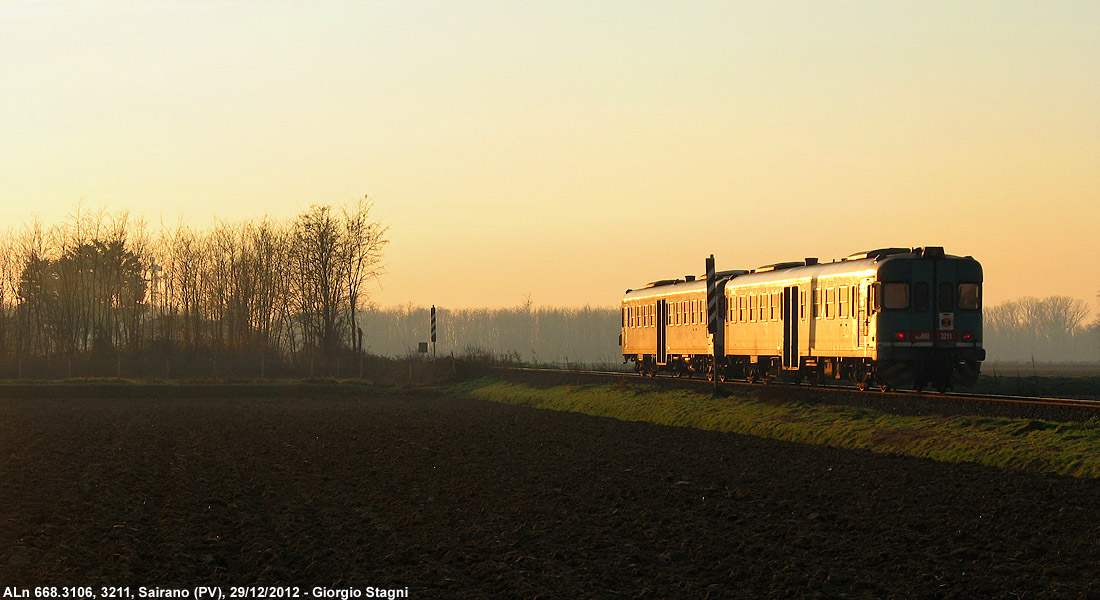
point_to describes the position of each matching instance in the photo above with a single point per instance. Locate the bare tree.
(363, 243)
(98, 283)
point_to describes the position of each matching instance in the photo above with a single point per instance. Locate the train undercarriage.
(942, 372)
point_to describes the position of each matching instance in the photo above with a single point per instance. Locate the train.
(891, 318)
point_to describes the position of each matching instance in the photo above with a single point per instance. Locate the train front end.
(928, 307)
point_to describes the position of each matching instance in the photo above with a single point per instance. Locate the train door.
(789, 314)
(921, 320)
(662, 323)
(863, 322)
(945, 301)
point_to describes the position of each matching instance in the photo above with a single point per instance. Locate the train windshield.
(970, 296)
(895, 296)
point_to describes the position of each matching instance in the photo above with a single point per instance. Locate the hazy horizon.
(567, 152)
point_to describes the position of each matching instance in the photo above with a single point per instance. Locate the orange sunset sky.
(570, 150)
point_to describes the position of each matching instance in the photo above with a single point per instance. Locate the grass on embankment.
(1021, 444)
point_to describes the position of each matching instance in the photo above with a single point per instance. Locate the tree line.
(102, 285)
(524, 333)
(1052, 329)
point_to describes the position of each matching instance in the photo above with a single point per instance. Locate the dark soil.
(456, 498)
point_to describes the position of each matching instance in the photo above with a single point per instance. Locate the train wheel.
(884, 387)
(861, 385)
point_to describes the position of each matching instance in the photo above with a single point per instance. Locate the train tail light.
(967, 337)
(900, 336)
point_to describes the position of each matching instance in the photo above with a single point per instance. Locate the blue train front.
(891, 318)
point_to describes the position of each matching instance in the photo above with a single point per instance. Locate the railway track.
(1080, 408)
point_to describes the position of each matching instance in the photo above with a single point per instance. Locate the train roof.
(867, 261)
(687, 284)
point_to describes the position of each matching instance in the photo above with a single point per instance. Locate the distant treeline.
(524, 333)
(102, 287)
(1053, 329)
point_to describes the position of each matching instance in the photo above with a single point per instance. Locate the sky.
(566, 151)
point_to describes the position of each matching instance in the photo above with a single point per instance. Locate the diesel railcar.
(890, 318)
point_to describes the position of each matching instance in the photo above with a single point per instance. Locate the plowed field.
(455, 498)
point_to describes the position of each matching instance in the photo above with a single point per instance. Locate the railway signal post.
(433, 332)
(713, 297)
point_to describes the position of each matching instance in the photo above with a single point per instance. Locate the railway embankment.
(1022, 444)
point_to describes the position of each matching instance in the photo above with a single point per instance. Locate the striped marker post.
(713, 297)
(433, 331)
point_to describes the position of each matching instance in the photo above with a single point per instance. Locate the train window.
(752, 307)
(652, 315)
(895, 296)
(947, 297)
(844, 297)
(830, 298)
(817, 304)
(970, 296)
(624, 318)
(775, 305)
(763, 307)
(802, 304)
(741, 307)
(920, 296)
